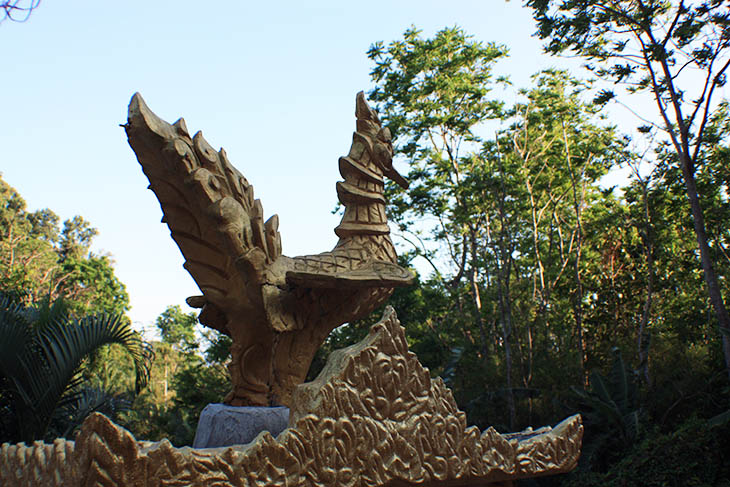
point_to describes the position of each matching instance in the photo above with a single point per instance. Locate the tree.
(676, 51)
(75, 238)
(500, 220)
(555, 149)
(182, 382)
(178, 342)
(17, 10)
(612, 411)
(42, 351)
(434, 94)
(28, 261)
(177, 328)
(38, 261)
(91, 286)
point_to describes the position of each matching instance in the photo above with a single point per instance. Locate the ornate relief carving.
(373, 417)
(277, 309)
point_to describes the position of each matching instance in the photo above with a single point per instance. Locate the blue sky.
(273, 83)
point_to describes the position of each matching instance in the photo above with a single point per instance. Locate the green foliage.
(62, 305)
(75, 238)
(27, 240)
(507, 243)
(178, 328)
(91, 285)
(218, 350)
(68, 419)
(721, 419)
(539, 273)
(38, 261)
(41, 353)
(181, 385)
(679, 53)
(694, 454)
(185, 376)
(434, 88)
(611, 410)
(196, 386)
(434, 94)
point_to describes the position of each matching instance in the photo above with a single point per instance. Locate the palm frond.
(40, 360)
(46, 311)
(86, 401)
(719, 420)
(63, 347)
(16, 334)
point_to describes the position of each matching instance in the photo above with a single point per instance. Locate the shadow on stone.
(223, 425)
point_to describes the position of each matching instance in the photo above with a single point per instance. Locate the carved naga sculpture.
(278, 310)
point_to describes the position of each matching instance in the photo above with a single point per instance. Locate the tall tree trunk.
(578, 315)
(644, 338)
(478, 315)
(476, 298)
(713, 287)
(505, 313)
(578, 202)
(681, 139)
(504, 253)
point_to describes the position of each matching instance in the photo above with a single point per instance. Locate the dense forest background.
(542, 292)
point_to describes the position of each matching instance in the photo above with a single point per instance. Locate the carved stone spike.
(373, 417)
(277, 309)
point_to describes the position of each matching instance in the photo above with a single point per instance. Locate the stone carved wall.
(373, 417)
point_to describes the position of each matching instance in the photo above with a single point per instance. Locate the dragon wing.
(210, 209)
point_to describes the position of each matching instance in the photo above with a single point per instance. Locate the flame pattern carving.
(373, 417)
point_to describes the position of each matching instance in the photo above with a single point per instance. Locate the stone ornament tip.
(139, 116)
(363, 111)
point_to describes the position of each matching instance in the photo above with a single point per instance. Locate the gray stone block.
(221, 425)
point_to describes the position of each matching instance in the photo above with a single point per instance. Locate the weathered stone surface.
(223, 425)
(278, 310)
(374, 417)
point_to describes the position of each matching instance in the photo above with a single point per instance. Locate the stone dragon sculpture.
(277, 310)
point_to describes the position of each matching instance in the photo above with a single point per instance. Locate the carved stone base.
(223, 425)
(373, 417)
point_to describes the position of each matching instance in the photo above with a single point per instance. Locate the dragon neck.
(364, 222)
(364, 225)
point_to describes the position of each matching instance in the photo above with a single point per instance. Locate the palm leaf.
(719, 420)
(620, 382)
(88, 400)
(16, 334)
(42, 362)
(631, 421)
(65, 345)
(600, 389)
(604, 410)
(46, 311)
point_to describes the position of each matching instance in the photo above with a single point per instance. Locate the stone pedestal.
(222, 425)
